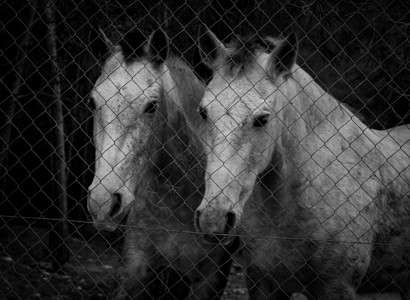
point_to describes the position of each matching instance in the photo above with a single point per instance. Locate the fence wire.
(132, 135)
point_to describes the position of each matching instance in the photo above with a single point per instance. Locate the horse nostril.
(230, 222)
(196, 221)
(117, 200)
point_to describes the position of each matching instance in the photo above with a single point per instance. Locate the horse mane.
(190, 87)
(184, 169)
(190, 91)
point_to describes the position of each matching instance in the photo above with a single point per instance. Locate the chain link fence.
(53, 52)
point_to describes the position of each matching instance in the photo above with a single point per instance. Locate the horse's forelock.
(243, 52)
(132, 45)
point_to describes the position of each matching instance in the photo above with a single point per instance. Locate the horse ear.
(108, 43)
(158, 46)
(283, 57)
(210, 47)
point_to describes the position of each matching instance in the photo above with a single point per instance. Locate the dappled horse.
(318, 199)
(148, 170)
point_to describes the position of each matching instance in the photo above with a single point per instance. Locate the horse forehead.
(239, 83)
(228, 117)
(236, 99)
(128, 80)
(142, 70)
(121, 72)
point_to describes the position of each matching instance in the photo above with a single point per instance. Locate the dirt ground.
(88, 274)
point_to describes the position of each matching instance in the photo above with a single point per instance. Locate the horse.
(318, 199)
(149, 173)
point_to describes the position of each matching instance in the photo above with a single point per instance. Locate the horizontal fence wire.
(219, 149)
(173, 231)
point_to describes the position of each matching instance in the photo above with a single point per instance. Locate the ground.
(88, 274)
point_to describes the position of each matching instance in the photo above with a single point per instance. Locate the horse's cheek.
(260, 154)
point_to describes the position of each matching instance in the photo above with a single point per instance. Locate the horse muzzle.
(217, 226)
(107, 209)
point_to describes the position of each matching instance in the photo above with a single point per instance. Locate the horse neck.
(183, 92)
(313, 123)
(164, 176)
(307, 117)
(177, 171)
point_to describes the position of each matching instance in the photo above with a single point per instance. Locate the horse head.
(239, 123)
(128, 116)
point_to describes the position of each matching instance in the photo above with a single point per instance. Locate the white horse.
(148, 167)
(314, 193)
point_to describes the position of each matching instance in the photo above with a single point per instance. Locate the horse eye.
(151, 107)
(203, 114)
(261, 121)
(91, 103)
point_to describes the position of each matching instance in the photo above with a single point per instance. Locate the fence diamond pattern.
(120, 176)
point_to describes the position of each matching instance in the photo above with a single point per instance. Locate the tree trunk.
(9, 104)
(82, 123)
(59, 231)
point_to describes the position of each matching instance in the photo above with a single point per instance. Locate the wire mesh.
(130, 136)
